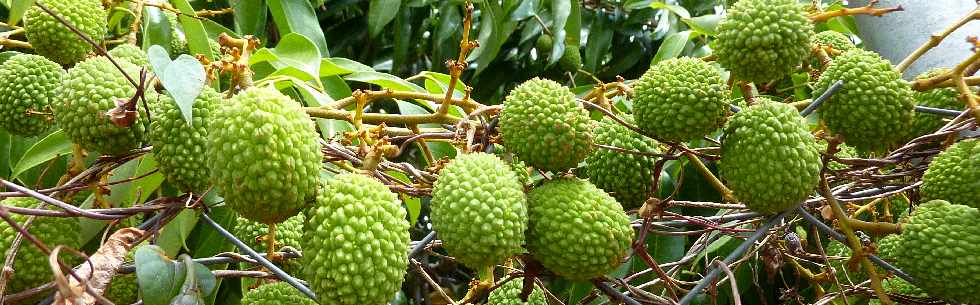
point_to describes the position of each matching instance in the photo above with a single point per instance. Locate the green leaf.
(384, 80)
(294, 50)
(599, 41)
(338, 66)
(173, 237)
(380, 13)
(205, 241)
(158, 276)
(145, 186)
(705, 25)
(250, 17)
(560, 9)
(156, 29)
(413, 204)
(676, 9)
(6, 158)
(54, 145)
(184, 79)
(292, 16)
(197, 37)
(671, 47)
(199, 282)
(17, 10)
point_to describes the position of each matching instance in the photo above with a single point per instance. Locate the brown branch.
(956, 76)
(379, 94)
(864, 10)
(457, 66)
(378, 118)
(935, 39)
(10, 43)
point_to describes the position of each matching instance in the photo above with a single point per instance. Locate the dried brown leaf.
(102, 268)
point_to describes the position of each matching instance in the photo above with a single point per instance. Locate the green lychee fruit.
(835, 40)
(479, 209)
(31, 268)
(763, 40)
(769, 159)
(888, 247)
(275, 294)
(544, 44)
(680, 99)
(576, 230)
(571, 59)
(897, 285)
(27, 87)
(519, 167)
(131, 53)
(180, 148)
(954, 175)
(52, 39)
(92, 88)
(543, 125)
(263, 155)
(945, 98)
(124, 288)
(288, 233)
(874, 108)
(510, 294)
(940, 249)
(356, 237)
(627, 177)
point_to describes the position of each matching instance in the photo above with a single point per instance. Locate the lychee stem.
(270, 241)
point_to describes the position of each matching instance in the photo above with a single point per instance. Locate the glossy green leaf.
(50, 147)
(706, 25)
(384, 80)
(184, 79)
(295, 51)
(250, 17)
(676, 9)
(159, 277)
(17, 10)
(173, 237)
(156, 29)
(599, 41)
(205, 241)
(672, 46)
(194, 32)
(148, 183)
(291, 16)
(560, 10)
(380, 13)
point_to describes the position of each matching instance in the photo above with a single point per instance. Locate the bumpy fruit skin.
(571, 59)
(680, 99)
(263, 155)
(835, 40)
(510, 294)
(53, 40)
(954, 175)
(124, 288)
(627, 177)
(180, 149)
(946, 98)
(131, 53)
(288, 233)
(874, 108)
(520, 169)
(544, 44)
(769, 158)
(356, 237)
(479, 210)
(763, 40)
(91, 89)
(897, 285)
(27, 85)
(888, 247)
(577, 230)
(31, 267)
(940, 245)
(544, 126)
(275, 294)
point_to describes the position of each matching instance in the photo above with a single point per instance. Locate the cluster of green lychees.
(260, 149)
